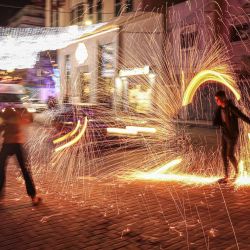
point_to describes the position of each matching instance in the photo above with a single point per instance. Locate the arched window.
(129, 5)
(118, 6)
(99, 10)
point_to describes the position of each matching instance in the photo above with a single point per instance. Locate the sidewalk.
(121, 215)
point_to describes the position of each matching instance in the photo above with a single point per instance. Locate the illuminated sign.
(133, 72)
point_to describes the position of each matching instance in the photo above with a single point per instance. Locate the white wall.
(91, 44)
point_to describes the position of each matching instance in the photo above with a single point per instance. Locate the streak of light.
(188, 179)
(159, 175)
(141, 129)
(167, 166)
(122, 131)
(76, 139)
(204, 76)
(71, 133)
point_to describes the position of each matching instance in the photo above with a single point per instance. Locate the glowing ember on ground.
(244, 178)
(188, 179)
(159, 175)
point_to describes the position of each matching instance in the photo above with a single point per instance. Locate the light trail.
(167, 166)
(71, 133)
(185, 178)
(158, 175)
(122, 131)
(141, 129)
(76, 139)
(205, 76)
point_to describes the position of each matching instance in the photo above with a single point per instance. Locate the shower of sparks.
(137, 142)
(140, 141)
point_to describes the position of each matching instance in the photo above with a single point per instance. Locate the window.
(240, 32)
(55, 14)
(118, 7)
(99, 11)
(77, 14)
(90, 4)
(67, 67)
(129, 5)
(188, 40)
(67, 74)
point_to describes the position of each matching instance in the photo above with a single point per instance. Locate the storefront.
(88, 68)
(134, 90)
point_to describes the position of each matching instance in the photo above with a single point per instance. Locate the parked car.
(14, 95)
(38, 105)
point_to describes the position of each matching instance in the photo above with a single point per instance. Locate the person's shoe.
(36, 200)
(223, 180)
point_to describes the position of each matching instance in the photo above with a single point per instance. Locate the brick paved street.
(121, 215)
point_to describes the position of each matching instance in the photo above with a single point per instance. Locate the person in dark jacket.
(226, 117)
(12, 121)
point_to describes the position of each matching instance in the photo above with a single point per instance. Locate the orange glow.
(185, 178)
(158, 175)
(244, 178)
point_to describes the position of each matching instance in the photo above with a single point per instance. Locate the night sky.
(8, 12)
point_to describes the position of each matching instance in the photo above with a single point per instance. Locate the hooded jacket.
(229, 125)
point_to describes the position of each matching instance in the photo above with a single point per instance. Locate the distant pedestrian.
(226, 117)
(12, 122)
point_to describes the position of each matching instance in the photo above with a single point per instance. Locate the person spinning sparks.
(226, 117)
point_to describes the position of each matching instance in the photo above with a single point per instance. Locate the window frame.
(129, 5)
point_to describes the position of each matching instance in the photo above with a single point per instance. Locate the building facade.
(39, 79)
(197, 25)
(128, 48)
(116, 65)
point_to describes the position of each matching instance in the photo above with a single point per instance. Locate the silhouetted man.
(226, 117)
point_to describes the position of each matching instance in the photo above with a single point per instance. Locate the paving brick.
(127, 218)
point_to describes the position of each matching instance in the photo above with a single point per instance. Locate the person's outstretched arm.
(240, 114)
